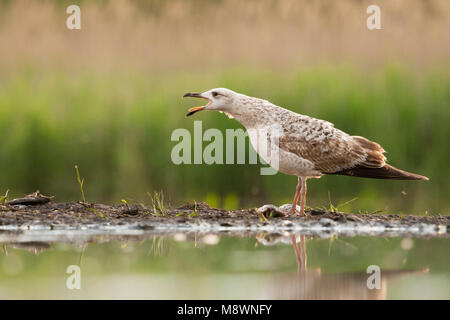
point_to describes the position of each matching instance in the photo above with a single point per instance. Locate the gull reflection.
(315, 284)
(300, 254)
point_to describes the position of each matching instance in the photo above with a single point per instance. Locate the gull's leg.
(297, 195)
(303, 200)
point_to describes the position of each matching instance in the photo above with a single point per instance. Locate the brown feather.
(375, 157)
(385, 172)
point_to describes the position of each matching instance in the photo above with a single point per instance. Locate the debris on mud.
(199, 217)
(31, 199)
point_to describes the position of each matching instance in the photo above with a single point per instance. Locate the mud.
(76, 218)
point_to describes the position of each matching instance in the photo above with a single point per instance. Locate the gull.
(306, 147)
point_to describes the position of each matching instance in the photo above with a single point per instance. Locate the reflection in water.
(210, 266)
(33, 247)
(313, 284)
(300, 255)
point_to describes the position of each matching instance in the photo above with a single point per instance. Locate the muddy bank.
(131, 219)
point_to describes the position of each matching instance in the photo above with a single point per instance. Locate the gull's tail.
(384, 172)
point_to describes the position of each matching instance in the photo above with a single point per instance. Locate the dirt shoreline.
(201, 217)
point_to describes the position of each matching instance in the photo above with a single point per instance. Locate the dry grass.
(169, 35)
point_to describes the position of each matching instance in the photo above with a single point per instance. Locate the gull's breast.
(265, 141)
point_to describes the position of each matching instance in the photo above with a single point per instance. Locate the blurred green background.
(107, 97)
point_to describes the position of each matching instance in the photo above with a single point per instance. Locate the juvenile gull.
(306, 147)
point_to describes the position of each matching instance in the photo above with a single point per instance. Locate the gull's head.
(219, 99)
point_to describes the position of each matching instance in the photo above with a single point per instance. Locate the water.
(213, 266)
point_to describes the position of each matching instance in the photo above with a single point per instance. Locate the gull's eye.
(215, 94)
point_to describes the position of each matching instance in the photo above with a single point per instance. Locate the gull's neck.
(254, 112)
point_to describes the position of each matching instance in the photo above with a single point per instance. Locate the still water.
(212, 266)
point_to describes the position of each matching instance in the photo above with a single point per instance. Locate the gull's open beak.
(195, 109)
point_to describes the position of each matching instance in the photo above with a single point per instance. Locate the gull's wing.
(331, 150)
